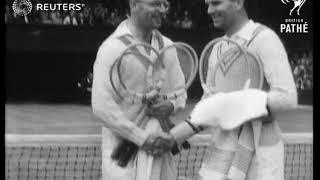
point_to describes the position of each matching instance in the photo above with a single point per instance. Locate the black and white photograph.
(159, 89)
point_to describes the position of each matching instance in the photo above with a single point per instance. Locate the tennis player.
(230, 159)
(231, 17)
(117, 115)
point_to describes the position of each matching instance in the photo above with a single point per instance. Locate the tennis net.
(33, 157)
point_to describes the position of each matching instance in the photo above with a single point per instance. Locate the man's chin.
(217, 26)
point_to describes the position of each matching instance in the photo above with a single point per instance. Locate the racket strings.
(228, 55)
(155, 75)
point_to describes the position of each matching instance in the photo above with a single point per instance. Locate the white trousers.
(158, 168)
(267, 164)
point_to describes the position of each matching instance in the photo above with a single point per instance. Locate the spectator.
(88, 16)
(98, 13)
(70, 19)
(176, 21)
(35, 17)
(186, 22)
(45, 19)
(118, 18)
(292, 65)
(114, 18)
(81, 18)
(303, 70)
(295, 58)
(56, 17)
(105, 16)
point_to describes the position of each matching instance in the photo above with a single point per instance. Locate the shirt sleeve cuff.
(139, 136)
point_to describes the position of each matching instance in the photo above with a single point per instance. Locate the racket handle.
(124, 152)
(119, 149)
(130, 154)
(175, 150)
(186, 145)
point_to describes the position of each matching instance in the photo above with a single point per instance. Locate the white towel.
(230, 110)
(236, 137)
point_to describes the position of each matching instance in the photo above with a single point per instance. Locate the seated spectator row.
(107, 12)
(302, 67)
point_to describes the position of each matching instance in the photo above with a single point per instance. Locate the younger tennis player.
(254, 150)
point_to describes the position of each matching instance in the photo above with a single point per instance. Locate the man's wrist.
(269, 117)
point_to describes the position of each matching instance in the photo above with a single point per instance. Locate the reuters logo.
(22, 7)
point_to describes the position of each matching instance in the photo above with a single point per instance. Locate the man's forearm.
(120, 125)
(182, 132)
(281, 100)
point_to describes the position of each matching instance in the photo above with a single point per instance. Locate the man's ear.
(239, 4)
(132, 4)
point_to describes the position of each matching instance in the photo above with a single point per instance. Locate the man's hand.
(160, 110)
(158, 143)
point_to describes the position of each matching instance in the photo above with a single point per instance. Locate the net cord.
(95, 139)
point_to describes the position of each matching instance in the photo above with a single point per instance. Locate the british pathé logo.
(22, 7)
(297, 4)
(294, 25)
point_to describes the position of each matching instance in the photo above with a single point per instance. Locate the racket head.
(188, 61)
(226, 66)
(126, 82)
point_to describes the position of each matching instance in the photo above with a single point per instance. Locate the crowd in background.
(302, 68)
(99, 13)
(186, 14)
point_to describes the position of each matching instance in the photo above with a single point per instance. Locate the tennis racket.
(226, 66)
(152, 80)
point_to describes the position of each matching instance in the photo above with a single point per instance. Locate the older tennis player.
(247, 143)
(117, 115)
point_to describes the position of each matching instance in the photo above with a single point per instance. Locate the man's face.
(222, 12)
(151, 12)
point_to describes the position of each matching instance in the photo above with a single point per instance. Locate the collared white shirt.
(116, 114)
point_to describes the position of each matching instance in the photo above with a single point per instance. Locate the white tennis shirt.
(116, 114)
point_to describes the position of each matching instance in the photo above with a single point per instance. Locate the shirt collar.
(246, 31)
(123, 29)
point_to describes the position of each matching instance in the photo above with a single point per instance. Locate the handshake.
(156, 144)
(159, 143)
